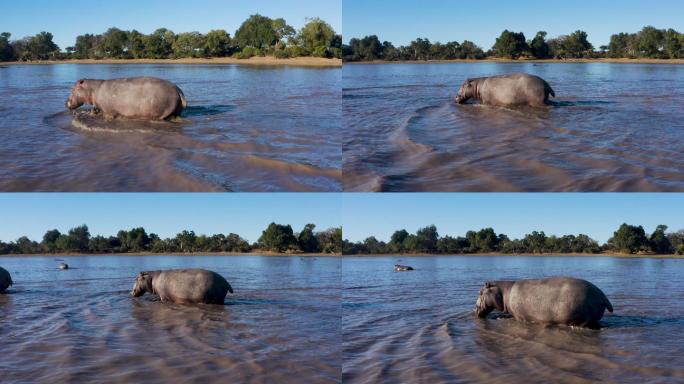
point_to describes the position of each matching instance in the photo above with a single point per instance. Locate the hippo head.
(466, 91)
(490, 298)
(143, 283)
(80, 95)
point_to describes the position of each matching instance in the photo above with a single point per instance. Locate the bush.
(281, 54)
(297, 51)
(321, 51)
(249, 52)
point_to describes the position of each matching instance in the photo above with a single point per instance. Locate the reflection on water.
(613, 127)
(245, 129)
(420, 326)
(282, 324)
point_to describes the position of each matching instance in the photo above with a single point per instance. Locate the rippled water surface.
(282, 324)
(246, 129)
(615, 127)
(419, 326)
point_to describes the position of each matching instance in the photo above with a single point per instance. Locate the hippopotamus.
(145, 98)
(556, 300)
(518, 89)
(400, 268)
(183, 286)
(64, 266)
(5, 280)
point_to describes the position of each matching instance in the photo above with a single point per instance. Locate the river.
(614, 127)
(246, 128)
(282, 324)
(419, 326)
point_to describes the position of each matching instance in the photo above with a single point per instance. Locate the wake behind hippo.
(556, 300)
(518, 89)
(183, 286)
(145, 98)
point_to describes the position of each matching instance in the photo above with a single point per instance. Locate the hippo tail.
(609, 306)
(548, 90)
(184, 102)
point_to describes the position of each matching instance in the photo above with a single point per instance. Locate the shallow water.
(246, 129)
(615, 127)
(419, 326)
(282, 324)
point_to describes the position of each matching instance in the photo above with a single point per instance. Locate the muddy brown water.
(282, 324)
(246, 129)
(419, 326)
(614, 127)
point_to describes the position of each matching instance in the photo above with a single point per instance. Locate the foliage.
(510, 44)
(628, 239)
(275, 238)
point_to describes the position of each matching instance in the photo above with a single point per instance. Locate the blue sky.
(597, 215)
(401, 21)
(68, 19)
(165, 214)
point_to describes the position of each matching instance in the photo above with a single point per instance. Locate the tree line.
(650, 42)
(275, 238)
(257, 36)
(627, 239)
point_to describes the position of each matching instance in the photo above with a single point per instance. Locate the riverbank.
(617, 255)
(534, 61)
(258, 61)
(259, 253)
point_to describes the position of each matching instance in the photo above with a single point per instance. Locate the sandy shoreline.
(535, 61)
(265, 61)
(57, 255)
(617, 255)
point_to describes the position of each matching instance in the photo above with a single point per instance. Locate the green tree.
(317, 37)
(307, 240)
(396, 243)
(135, 44)
(218, 43)
(510, 44)
(77, 240)
(284, 32)
(49, 239)
(41, 47)
(189, 44)
(421, 49)
(135, 240)
(659, 241)
(186, 241)
(257, 32)
(6, 51)
(539, 48)
(114, 43)
(159, 44)
(84, 47)
(628, 239)
(651, 42)
(426, 239)
(277, 238)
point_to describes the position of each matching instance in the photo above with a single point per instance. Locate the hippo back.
(191, 286)
(558, 300)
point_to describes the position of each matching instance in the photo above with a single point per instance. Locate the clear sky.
(68, 19)
(165, 213)
(482, 21)
(597, 215)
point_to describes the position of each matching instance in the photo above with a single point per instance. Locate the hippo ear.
(489, 284)
(81, 81)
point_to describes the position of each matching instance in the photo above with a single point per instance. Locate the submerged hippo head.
(143, 283)
(467, 91)
(490, 298)
(80, 94)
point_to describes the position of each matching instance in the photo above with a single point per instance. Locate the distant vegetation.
(650, 42)
(257, 36)
(275, 238)
(627, 239)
